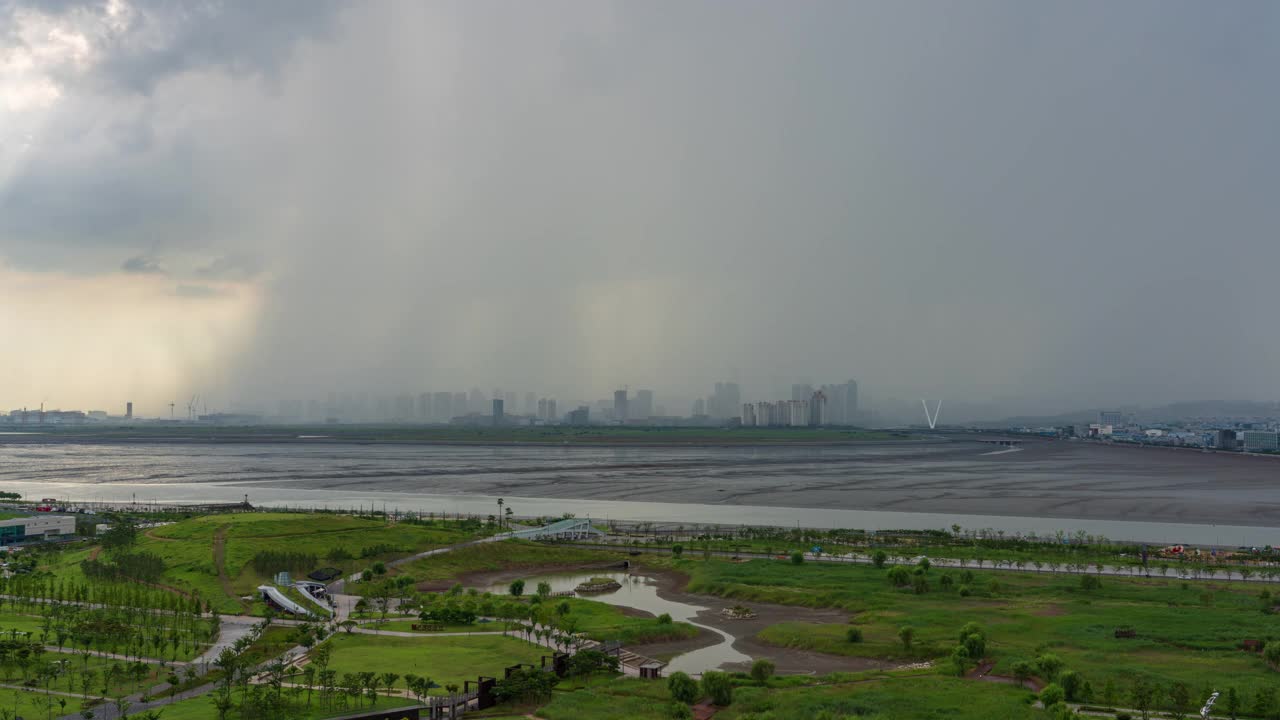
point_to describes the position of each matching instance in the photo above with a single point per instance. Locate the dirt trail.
(219, 558)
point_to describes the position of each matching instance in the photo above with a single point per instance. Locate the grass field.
(212, 555)
(1186, 632)
(878, 698)
(503, 555)
(200, 708)
(601, 621)
(443, 659)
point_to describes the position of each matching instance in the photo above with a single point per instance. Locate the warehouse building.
(36, 528)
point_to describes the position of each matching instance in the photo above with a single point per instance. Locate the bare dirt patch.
(1051, 610)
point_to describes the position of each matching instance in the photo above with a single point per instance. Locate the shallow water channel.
(641, 592)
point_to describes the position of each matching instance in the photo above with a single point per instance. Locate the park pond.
(640, 592)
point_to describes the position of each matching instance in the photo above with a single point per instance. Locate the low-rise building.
(1260, 441)
(36, 528)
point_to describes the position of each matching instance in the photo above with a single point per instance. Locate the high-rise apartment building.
(497, 411)
(726, 401)
(818, 409)
(642, 407)
(442, 407)
(620, 405)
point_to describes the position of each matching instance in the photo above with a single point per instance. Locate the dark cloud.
(239, 266)
(1020, 205)
(142, 265)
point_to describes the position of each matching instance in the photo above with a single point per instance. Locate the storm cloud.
(1030, 207)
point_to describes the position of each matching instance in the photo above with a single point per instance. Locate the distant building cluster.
(835, 404)
(808, 407)
(1251, 435)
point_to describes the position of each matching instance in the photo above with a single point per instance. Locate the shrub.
(1271, 653)
(682, 687)
(906, 634)
(947, 581)
(719, 687)
(853, 634)
(797, 558)
(516, 588)
(664, 619)
(1090, 582)
(679, 711)
(1052, 695)
(965, 591)
(898, 576)
(878, 559)
(761, 671)
(677, 551)
(919, 585)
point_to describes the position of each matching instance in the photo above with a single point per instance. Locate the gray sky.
(1035, 206)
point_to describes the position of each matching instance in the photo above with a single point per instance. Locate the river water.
(641, 593)
(1148, 496)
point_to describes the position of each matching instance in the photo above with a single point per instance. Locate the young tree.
(682, 687)
(878, 558)
(1180, 700)
(1049, 666)
(516, 588)
(1144, 697)
(719, 687)
(1232, 702)
(389, 681)
(1022, 671)
(677, 551)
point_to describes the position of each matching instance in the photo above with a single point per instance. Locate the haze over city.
(1019, 207)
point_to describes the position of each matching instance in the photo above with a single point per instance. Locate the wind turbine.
(931, 417)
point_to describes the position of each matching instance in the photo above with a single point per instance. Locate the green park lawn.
(502, 555)
(201, 708)
(1189, 634)
(905, 698)
(601, 621)
(443, 659)
(192, 548)
(407, 626)
(876, 698)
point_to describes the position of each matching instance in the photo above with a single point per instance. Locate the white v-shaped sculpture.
(931, 417)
